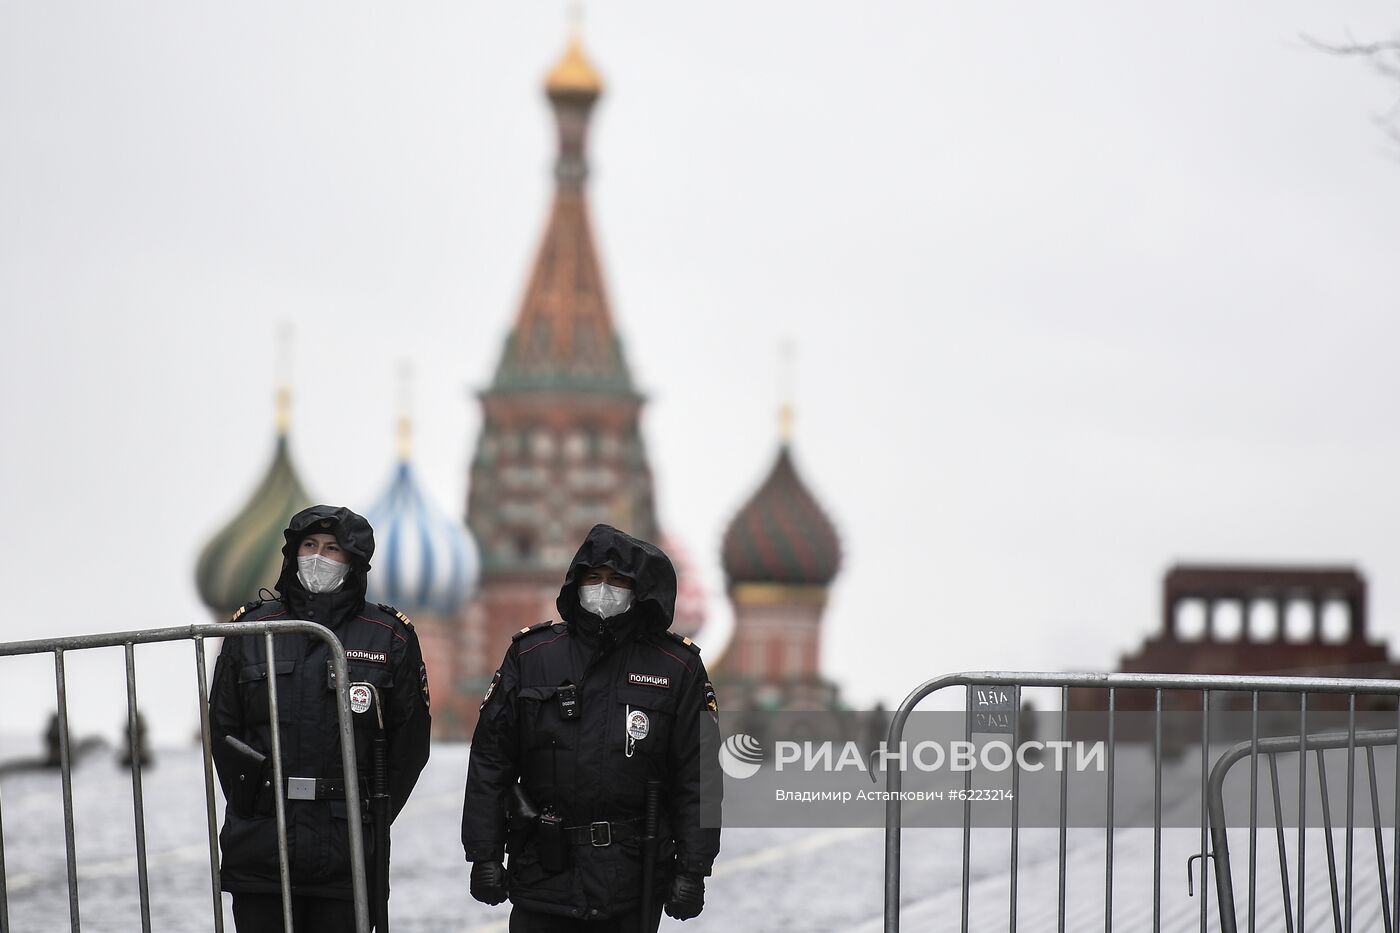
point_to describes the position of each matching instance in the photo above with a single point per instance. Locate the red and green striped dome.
(781, 535)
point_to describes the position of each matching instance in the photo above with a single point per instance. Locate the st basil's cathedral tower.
(426, 566)
(245, 555)
(560, 447)
(780, 555)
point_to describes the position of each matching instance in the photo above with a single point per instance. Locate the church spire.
(782, 534)
(564, 338)
(246, 553)
(786, 370)
(282, 375)
(561, 446)
(574, 74)
(405, 422)
(573, 87)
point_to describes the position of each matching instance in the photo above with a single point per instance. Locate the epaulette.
(530, 628)
(396, 614)
(244, 608)
(683, 640)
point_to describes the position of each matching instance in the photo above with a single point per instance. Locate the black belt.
(602, 833)
(300, 788)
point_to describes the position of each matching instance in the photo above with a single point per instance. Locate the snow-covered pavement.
(765, 880)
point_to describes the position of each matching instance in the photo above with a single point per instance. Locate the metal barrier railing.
(1201, 687)
(1272, 748)
(59, 646)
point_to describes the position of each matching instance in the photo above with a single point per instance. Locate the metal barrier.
(59, 646)
(1300, 745)
(1201, 688)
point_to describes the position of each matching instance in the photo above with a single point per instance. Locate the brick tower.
(560, 447)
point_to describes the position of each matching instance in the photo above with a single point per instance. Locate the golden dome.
(574, 73)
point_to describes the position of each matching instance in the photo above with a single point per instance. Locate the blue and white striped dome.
(424, 559)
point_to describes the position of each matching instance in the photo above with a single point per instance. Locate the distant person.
(581, 714)
(53, 751)
(324, 567)
(135, 730)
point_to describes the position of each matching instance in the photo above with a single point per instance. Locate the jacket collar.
(601, 634)
(328, 609)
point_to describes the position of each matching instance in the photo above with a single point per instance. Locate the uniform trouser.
(262, 913)
(532, 921)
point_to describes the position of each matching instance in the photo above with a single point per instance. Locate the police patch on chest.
(638, 725)
(650, 680)
(360, 698)
(360, 654)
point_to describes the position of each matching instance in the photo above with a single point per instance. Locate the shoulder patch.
(244, 608)
(396, 614)
(682, 640)
(530, 628)
(491, 688)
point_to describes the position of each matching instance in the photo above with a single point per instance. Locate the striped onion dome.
(246, 554)
(424, 559)
(781, 535)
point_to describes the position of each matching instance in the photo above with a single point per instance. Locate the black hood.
(654, 579)
(351, 530)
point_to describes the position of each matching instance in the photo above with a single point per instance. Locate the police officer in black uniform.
(580, 716)
(325, 562)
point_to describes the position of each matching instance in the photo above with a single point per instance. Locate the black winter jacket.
(381, 649)
(585, 768)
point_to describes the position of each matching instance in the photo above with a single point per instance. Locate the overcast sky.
(1078, 290)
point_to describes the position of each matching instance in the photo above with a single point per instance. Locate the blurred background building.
(560, 450)
(1241, 619)
(427, 565)
(780, 556)
(245, 555)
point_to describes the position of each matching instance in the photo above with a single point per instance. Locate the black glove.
(489, 882)
(687, 897)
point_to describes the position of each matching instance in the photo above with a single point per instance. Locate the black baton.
(379, 817)
(650, 819)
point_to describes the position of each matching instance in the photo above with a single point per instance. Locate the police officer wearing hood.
(580, 716)
(325, 562)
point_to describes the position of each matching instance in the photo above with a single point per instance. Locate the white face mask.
(605, 600)
(321, 574)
